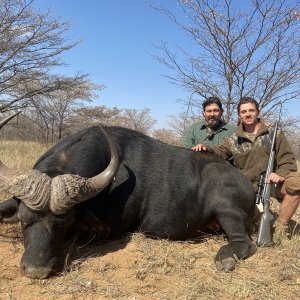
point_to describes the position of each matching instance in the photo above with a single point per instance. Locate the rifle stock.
(264, 235)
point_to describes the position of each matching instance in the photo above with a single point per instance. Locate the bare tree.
(51, 112)
(135, 119)
(167, 136)
(31, 44)
(252, 51)
(179, 123)
(93, 115)
(49, 119)
(139, 120)
(291, 128)
(7, 119)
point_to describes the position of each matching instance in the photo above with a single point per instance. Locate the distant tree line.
(36, 125)
(33, 127)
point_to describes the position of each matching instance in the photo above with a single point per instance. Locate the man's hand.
(199, 147)
(275, 178)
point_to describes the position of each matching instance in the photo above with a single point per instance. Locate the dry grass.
(21, 154)
(136, 267)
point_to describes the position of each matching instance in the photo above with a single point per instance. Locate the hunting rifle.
(264, 235)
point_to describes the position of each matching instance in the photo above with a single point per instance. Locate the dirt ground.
(136, 267)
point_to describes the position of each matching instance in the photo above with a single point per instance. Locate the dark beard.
(212, 123)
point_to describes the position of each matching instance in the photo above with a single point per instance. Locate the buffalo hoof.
(228, 255)
(226, 265)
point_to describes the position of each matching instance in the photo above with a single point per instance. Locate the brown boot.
(281, 232)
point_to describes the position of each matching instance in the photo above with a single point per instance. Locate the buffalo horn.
(68, 190)
(32, 186)
(40, 192)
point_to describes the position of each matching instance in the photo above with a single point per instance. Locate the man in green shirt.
(210, 132)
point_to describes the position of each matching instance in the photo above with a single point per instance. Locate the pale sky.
(116, 50)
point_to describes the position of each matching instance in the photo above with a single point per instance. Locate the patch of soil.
(136, 267)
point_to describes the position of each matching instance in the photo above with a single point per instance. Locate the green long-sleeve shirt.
(198, 133)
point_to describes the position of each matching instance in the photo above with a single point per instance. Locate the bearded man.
(212, 130)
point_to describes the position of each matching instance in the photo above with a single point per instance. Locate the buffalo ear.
(9, 210)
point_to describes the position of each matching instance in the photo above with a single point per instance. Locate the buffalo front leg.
(239, 247)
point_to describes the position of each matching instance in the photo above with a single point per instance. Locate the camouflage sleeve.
(285, 158)
(223, 150)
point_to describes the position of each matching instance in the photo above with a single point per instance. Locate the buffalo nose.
(34, 272)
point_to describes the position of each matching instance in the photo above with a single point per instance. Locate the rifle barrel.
(264, 235)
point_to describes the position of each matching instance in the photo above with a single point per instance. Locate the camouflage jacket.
(251, 155)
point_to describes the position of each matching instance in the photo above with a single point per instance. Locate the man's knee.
(291, 186)
(292, 183)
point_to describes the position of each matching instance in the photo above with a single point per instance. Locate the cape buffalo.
(112, 180)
